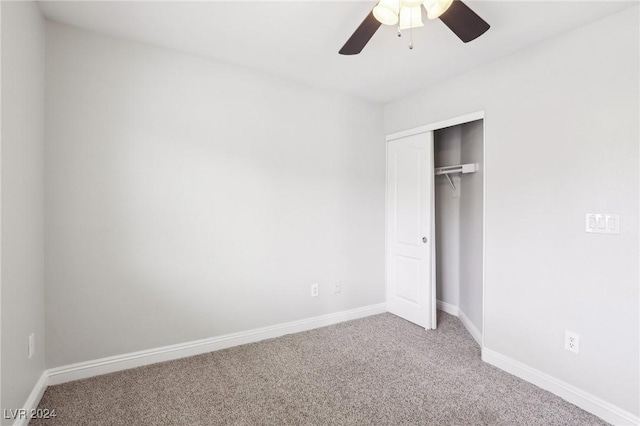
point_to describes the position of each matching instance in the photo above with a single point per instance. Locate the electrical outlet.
(32, 345)
(337, 287)
(571, 341)
(314, 290)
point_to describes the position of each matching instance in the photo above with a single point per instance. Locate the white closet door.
(410, 214)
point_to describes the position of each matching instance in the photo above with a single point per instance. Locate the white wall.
(561, 140)
(23, 51)
(187, 198)
(471, 223)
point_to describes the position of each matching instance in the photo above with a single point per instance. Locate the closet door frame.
(462, 119)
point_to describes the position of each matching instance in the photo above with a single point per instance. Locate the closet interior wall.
(459, 220)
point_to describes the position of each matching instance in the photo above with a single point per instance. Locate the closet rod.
(460, 168)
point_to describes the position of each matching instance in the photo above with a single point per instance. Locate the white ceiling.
(300, 40)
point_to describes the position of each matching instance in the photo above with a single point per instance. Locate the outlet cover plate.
(571, 341)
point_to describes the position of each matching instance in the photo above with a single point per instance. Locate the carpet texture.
(380, 370)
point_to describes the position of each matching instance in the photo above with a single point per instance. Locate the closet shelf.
(460, 168)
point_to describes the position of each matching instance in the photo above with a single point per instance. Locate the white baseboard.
(112, 364)
(447, 307)
(471, 328)
(582, 399)
(570, 393)
(34, 399)
(457, 312)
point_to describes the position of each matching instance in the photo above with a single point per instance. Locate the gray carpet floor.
(380, 370)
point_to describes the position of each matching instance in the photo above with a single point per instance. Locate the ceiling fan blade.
(464, 22)
(361, 36)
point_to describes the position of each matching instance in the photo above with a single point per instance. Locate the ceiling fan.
(407, 14)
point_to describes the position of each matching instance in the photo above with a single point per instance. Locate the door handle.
(424, 239)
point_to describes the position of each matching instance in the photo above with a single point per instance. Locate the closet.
(458, 197)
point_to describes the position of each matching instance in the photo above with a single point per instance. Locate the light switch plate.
(602, 223)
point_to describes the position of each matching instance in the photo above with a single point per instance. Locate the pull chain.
(411, 29)
(410, 38)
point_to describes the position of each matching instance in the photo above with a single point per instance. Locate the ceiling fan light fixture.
(386, 12)
(457, 16)
(410, 17)
(435, 8)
